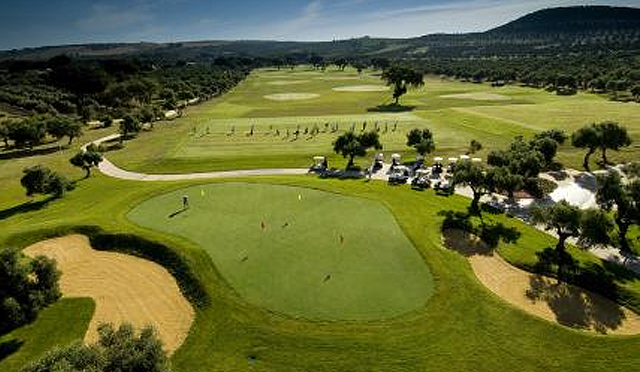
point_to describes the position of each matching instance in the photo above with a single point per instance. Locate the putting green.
(301, 252)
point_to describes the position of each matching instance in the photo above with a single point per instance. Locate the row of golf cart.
(437, 176)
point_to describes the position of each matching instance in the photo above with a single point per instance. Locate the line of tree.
(33, 131)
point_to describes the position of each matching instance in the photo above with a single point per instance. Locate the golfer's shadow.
(174, 214)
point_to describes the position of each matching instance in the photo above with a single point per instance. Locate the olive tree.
(421, 140)
(350, 145)
(624, 200)
(87, 159)
(475, 176)
(402, 78)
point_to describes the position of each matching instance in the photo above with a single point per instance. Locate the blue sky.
(28, 23)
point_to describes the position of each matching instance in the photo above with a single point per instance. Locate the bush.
(42, 180)
(26, 286)
(116, 350)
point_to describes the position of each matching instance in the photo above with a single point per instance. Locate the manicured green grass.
(298, 251)
(202, 139)
(461, 327)
(61, 324)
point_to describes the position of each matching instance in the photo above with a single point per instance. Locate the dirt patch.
(362, 88)
(291, 96)
(287, 82)
(478, 96)
(125, 288)
(542, 296)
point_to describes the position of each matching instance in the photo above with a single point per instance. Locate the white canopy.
(438, 158)
(477, 160)
(319, 158)
(465, 157)
(453, 160)
(379, 156)
(395, 156)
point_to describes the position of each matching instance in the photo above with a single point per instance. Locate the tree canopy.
(26, 287)
(402, 78)
(350, 144)
(421, 140)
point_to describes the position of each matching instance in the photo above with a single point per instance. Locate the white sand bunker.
(362, 88)
(287, 82)
(125, 288)
(542, 296)
(478, 96)
(291, 96)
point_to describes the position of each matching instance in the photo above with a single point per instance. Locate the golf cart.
(320, 164)
(399, 175)
(444, 186)
(421, 180)
(378, 162)
(396, 159)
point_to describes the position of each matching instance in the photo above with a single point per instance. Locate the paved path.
(519, 210)
(110, 169)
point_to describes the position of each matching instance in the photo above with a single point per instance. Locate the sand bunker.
(125, 288)
(542, 296)
(362, 88)
(479, 96)
(291, 96)
(287, 82)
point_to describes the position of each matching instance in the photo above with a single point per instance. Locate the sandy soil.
(124, 288)
(542, 296)
(479, 96)
(362, 88)
(287, 82)
(291, 96)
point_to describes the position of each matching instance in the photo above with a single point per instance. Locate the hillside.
(545, 32)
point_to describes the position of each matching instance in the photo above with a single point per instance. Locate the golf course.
(305, 273)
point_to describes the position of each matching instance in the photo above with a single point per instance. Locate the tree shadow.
(574, 307)
(473, 240)
(391, 108)
(9, 347)
(29, 206)
(586, 181)
(25, 153)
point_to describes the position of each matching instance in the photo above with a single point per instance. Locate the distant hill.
(583, 19)
(570, 30)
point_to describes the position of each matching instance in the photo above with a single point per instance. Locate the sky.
(32, 23)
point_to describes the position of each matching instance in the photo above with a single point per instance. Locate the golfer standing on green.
(185, 202)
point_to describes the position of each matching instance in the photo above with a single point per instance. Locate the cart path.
(110, 169)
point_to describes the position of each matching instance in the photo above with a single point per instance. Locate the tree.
(118, 349)
(588, 138)
(401, 78)
(591, 226)
(28, 133)
(476, 177)
(624, 200)
(87, 159)
(474, 146)
(351, 145)
(41, 180)
(342, 63)
(506, 181)
(548, 147)
(557, 135)
(128, 126)
(26, 287)
(59, 127)
(612, 136)
(5, 132)
(635, 92)
(421, 140)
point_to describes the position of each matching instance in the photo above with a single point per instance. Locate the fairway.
(254, 126)
(297, 251)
